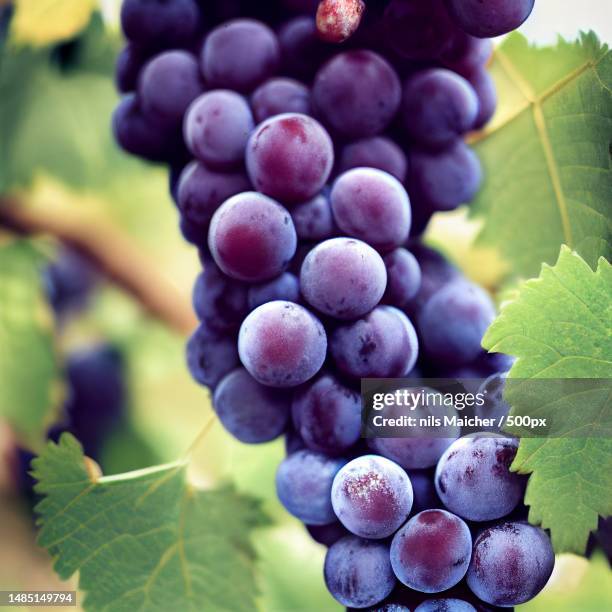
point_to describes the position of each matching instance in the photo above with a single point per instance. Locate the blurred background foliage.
(58, 158)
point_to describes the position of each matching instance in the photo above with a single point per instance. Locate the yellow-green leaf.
(42, 22)
(546, 156)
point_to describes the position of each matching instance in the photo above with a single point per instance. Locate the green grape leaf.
(55, 112)
(30, 380)
(559, 326)
(145, 540)
(546, 155)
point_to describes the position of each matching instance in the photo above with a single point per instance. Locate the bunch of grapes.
(305, 172)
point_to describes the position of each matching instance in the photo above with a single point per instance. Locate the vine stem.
(210, 421)
(110, 251)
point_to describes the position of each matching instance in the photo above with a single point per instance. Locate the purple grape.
(240, 55)
(403, 277)
(194, 233)
(358, 572)
(202, 190)
(424, 491)
(284, 287)
(372, 496)
(511, 564)
(445, 605)
(69, 281)
(438, 106)
(252, 237)
(328, 416)
(377, 152)
(453, 321)
(97, 399)
(303, 485)
(415, 452)
(290, 157)
(467, 53)
(445, 179)
(211, 355)
(219, 301)
(357, 93)
(278, 96)
(383, 344)
(168, 84)
(431, 553)
(303, 52)
(217, 127)
(418, 447)
(343, 278)
(373, 206)
(282, 344)
(130, 61)
(293, 442)
(327, 534)
(159, 23)
(417, 30)
(251, 412)
(491, 18)
(436, 272)
(138, 134)
(484, 86)
(313, 219)
(473, 478)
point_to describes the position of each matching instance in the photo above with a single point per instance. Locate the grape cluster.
(305, 172)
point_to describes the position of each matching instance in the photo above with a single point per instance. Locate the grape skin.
(511, 564)
(138, 134)
(252, 237)
(303, 485)
(159, 23)
(372, 496)
(290, 157)
(357, 572)
(438, 106)
(376, 152)
(418, 447)
(445, 605)
(473, 478)
(278, 96)
(201, 190)
(217, 128)
(328, 416)
(313, 219)
(403, 277)
(432, 552)
(262, 418)
(357, 93)
(219, 301)
(467, 53)
(373, 206)
(130, 61)
(284, 287)
(424, 490)
(282, 344)
(168, 84)
(343, 278)
(240, 55)
(327, 534)
(444, 179)
(383, 344)
(303, 52)
(491, 18)
(453, 321)
(484, 86)
(210, 355)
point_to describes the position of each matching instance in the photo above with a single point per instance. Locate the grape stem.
(110, 251)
